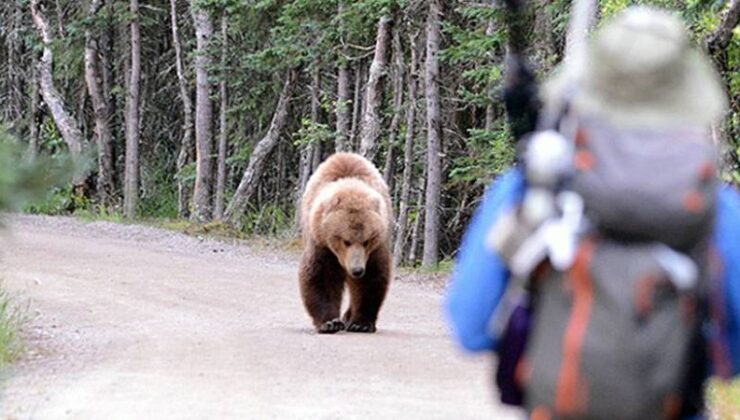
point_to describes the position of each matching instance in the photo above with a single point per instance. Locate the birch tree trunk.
(343, 96)
(185, 155)
(315, 149)
(414, 247)
(101, 112)
(434, 138)
(64, 121)
(389, 168)
(356, 107)
(408, 149)
(256, 167)
(202, 209)
(490, 110)
(33, 111)
(583, 18)
(371, 119)
(131, 180)
(218, 208)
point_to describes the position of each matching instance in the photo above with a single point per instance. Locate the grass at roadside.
(10, 320)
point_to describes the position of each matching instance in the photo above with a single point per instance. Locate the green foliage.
(58, 200)
(270, 219)
(476, 39)
(159, 191)
(489, 153)
(23, 179)
(311, 133)
(444, 266)
(95, 214)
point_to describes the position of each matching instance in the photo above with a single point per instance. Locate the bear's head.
(351, 219)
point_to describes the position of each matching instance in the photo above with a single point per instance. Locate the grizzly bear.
(346, 222)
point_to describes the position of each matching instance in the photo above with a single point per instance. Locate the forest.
(218, 111)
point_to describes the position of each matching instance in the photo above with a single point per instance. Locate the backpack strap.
(571, 394)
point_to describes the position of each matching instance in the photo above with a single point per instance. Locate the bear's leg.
(322, 283)
(367, 294)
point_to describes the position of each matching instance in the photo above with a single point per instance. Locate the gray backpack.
(616, 335)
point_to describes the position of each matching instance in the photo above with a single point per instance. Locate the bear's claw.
(362, 327)
(331, 327)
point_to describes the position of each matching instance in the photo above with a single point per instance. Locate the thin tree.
(202, 209)
(357, 106)
(257, 160)
(33, 110)
(371, 119)
(103, 134)
(430, 254)
(64, 121)
(718, 40)
(312, 151)
(185, 155)
(408, 149)
(389, 169)
(131, 180)
(218, 208)
(343, 93)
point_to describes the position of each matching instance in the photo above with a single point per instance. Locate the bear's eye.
(347, 243)
(366, 243)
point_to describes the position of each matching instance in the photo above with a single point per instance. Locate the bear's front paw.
(361, 326)
(331, 327)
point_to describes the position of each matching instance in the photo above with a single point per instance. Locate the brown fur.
(346, 220)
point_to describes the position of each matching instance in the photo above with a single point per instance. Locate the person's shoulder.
(729, 195)
(728, 222)
(509, 183)
(728, 205)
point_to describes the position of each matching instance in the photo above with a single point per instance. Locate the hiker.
(641, 84)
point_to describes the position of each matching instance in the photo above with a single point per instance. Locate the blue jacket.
(480, 276)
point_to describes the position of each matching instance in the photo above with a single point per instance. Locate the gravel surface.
(136, 322)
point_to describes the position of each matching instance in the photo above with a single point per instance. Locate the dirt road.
(132, 322)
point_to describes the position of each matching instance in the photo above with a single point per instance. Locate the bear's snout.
(357, 272)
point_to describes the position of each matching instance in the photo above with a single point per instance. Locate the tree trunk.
(414, 247)
(185, 154)
(255, 168)
(309, 152)
(202, 209)
(343, 104)
(434, 138)
(103, 134)
(64, 121)
(223, 128)
(374, 92)
(343, 97)
(490, 110)
(356, 107)
(33, 123)
(582, 20)
(717, 43)
(131, 177)
(389, 169)
(408, 150)
(12, 106)
(719, 39)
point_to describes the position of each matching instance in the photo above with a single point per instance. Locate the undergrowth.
(10, 320)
